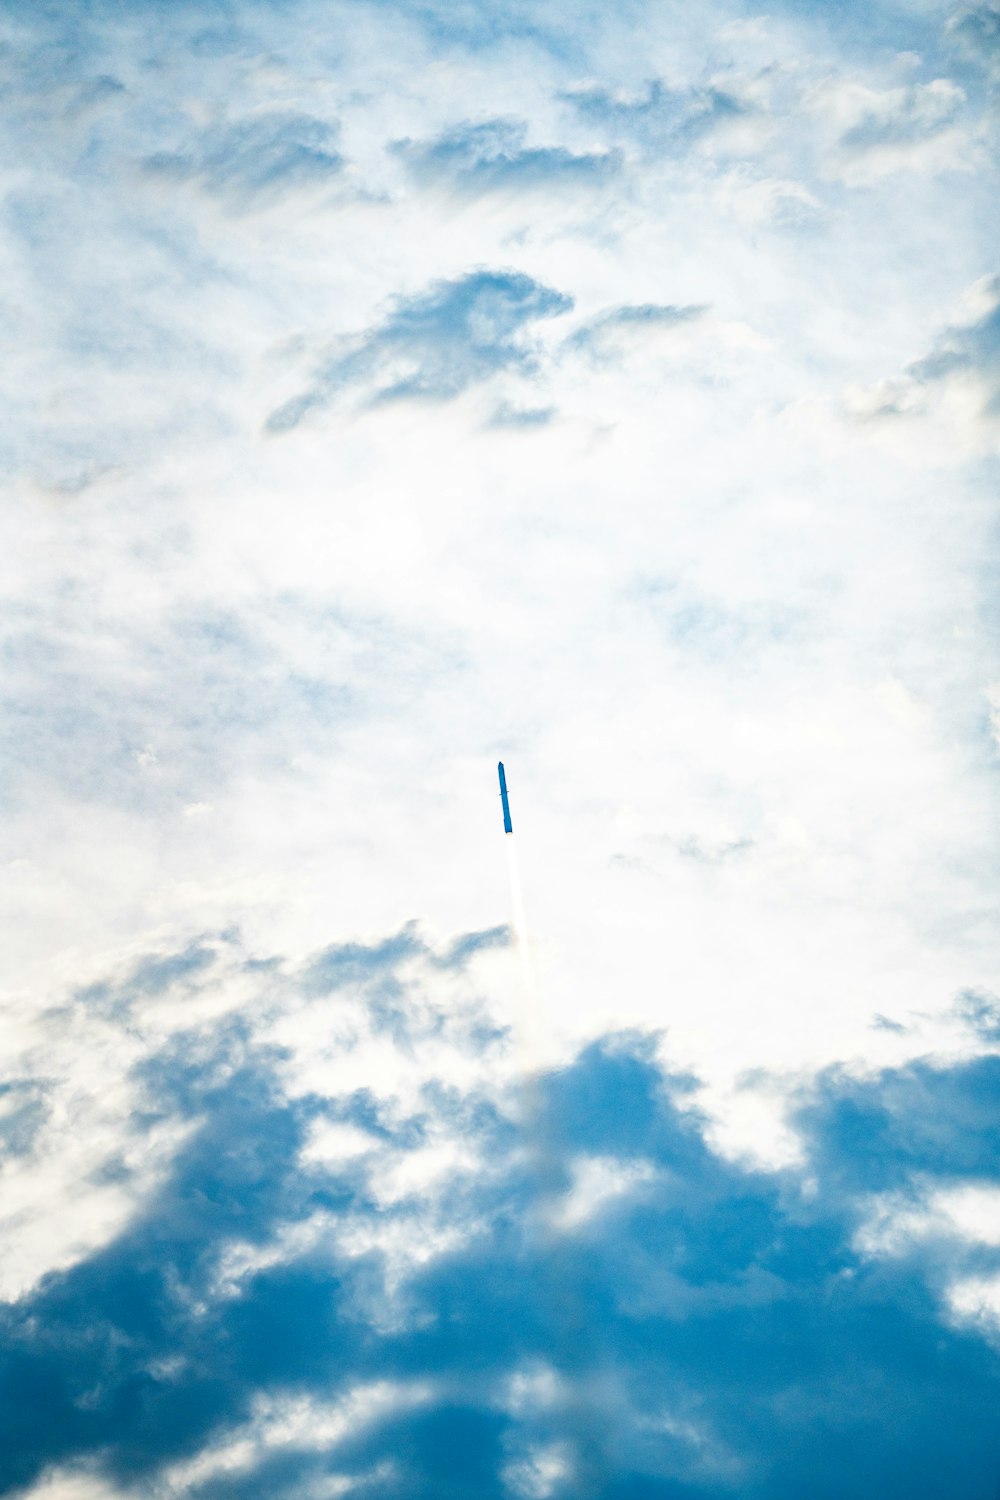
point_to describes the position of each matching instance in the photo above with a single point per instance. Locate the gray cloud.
(979, 28)
(507, 415)
(972, 349)
(965, 355)
(23, 1110)
(437, 344)
(153, 975)
(491, 156)
(981, 1010)
(661, 116)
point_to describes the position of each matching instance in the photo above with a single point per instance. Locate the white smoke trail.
(517, 909)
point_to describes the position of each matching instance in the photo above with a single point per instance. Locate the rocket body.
(508, 826)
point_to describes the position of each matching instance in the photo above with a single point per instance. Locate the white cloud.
(598, 1182)
(57, 1209)
(541, 1472)
(915, 128)
(975, 1300)
(299, 1423)
(71, 1484)
(943, 406)
(965, 1212)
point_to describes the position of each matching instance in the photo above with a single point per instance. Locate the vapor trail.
(517, 910)
(557, 1285)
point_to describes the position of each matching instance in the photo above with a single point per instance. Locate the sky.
(396, 386)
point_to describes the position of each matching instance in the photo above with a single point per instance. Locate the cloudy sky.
(391, 386)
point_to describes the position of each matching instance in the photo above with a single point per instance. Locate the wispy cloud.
(256, 159)
(611, 333)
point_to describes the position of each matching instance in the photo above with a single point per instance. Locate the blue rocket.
(508, 826)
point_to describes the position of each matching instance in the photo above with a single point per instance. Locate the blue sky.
(391, 388)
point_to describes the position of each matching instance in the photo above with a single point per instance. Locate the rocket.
(508, 826)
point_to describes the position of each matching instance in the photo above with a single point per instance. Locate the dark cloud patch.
(861, 31)
(973, 349)
(23, 1111)
(981, 1009)
(150, 977)
(660, 117)
(461, 26)
(353, 963)
(463, 948)
(523, 418)
(94, 93)
(886, 1023)
(83, 1381)
(492, 156)
(978, 27)
(256, 159)
(158, 972)
(966, 354)
(919, 1119)
(611, 1310)
(436, 345)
